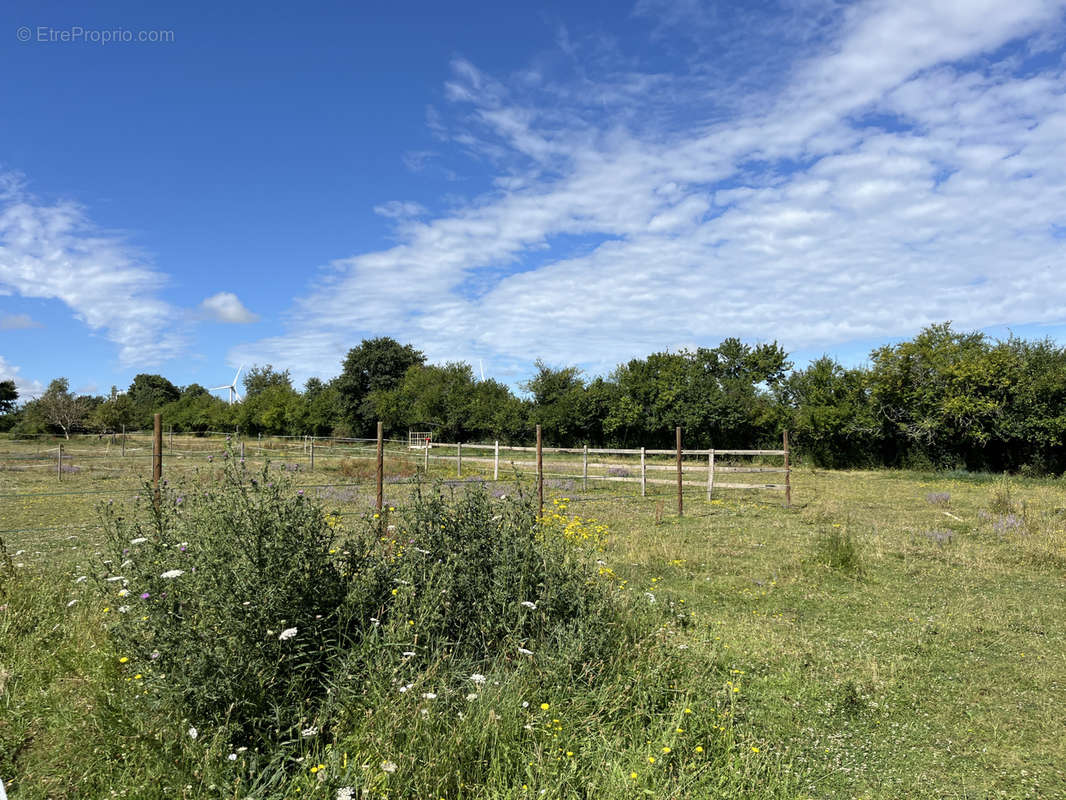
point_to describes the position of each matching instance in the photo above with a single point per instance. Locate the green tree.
(259, 379)
(375, 365)
(8, 396)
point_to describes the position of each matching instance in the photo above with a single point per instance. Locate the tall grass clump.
(839, 550)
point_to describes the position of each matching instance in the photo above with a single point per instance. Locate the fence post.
(710, 473)
(788, 474)
(381, 464)
(242, 451)
(680, 504)
(157, 454)
(643, 474)
(171, 437)
(585, 469)
(260, 443)
(496, 461)
(459, 460)
(59, 463)
(312, 454)
(426, 445)
(123, 441)
(540, 476)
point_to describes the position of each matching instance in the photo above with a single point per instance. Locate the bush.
(245, 606)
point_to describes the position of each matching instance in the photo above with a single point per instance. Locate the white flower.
(138, 540)
(123, 609)
(308, 732)
(408, 653)
(193, 733)
(429, 696)
(525, 652)
(345, 793)
(123, 592)
(376, 621)
(173, 573)
(232, 756)
(472, 696)
(126, 563)
(529, 604)
(387, 766)
(408, 687)
(81, 579)
(288, 633)
(525, 704)
(477, 678)
(650, 596)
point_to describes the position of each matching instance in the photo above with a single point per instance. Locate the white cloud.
(899, 175)
(52, 251)
(18, 322)
(27, 389)
(226, 307)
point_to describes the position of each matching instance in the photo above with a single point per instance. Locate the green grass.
(865, 644)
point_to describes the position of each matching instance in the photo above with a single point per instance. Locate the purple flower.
(300, 493)
(145, 596)
(180, 500)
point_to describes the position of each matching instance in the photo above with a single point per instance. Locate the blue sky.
(271, 183)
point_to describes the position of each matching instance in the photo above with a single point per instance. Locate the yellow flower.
(123, 660)
(137, 677)
(544, 706)
(633, 775)
(688, 710)
(651, 759)
(754, 749)
(395, 591)
(666, 750)
(699, 749)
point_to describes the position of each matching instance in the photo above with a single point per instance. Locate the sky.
(187, 189)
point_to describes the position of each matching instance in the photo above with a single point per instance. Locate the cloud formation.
(27, 389)
(226, 307)
(18, 322)
(53, 251)
(907, 167)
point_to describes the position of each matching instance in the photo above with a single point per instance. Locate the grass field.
(892, 635)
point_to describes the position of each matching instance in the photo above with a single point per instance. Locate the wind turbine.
(234, 397)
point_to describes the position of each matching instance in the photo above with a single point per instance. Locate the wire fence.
(123, 465)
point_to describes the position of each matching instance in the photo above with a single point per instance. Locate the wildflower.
(408, 653)
(633, 775)
(173, 573)
(138, 540)
(138, 676)
(406, 688)
(754, 749)
(699, 749)
(123, 660)
(193, 733)
(232, 756)
(666, 750)
(529, 604)
(388, 766)
(288, 633)
(145, 595)
(123, 592)
(477, 678)
(81, 579)
(472, 696)
(345, 793)
(429, 696)
(525, 652)
(688, 710)
(544, 706)
(651, 759)
(123, 609)
(309, 732)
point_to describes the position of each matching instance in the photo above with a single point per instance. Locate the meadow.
(893, 634)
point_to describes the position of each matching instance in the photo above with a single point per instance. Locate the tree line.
(944, 399)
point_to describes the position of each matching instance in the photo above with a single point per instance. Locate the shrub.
(233, 605)
(245, 606)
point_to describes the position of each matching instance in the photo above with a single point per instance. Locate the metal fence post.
(788, 474)
(459, 459)
(496, 460)
(157, 454)
(710, 473)
(585, 469)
